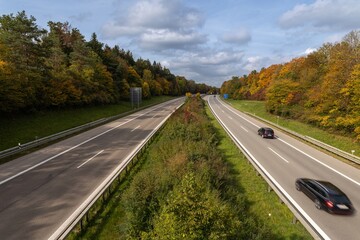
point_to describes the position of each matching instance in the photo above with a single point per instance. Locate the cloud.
(309, 50)
(210, 65)
(163, 39)
(325, 15)
(157, 25)
(241, 36)
(336, 37)
(255, 63)
(164, 14)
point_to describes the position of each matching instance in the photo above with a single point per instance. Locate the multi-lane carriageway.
(40, 191)
(284, 159)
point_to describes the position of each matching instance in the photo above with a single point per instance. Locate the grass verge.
(23, 128)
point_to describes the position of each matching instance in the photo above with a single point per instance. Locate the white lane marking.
(230, 117)
(318, 161)
(278, 155)
(68, 150)
(135, 128)
(89, 159)
(296, 205)
(244, 129)
(154, 116)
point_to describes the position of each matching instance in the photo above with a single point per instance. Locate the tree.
(146, 91)
(281, 95)
(148, 80)
(90, 75)
(20, 49)
(134, 78)
(58, 87)
(96, 46)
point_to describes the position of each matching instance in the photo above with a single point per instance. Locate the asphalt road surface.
(285, 159)
(39, 191)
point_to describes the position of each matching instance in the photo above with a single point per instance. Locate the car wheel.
(317, 204)
(263, 136)
(298, 186)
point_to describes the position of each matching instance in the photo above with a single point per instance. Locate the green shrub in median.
(185, 190)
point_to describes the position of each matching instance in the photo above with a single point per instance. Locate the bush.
(186, 190)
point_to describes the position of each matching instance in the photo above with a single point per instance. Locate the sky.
(208, 41)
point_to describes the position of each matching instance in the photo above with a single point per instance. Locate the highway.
(284, 159)
(39, 191)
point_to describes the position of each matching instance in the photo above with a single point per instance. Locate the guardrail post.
(294, 220)
(81, 225)
(269, 188)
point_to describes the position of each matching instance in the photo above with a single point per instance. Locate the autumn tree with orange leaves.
(321, 88)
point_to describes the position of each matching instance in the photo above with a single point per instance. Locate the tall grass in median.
(23, 128)
(258, 108)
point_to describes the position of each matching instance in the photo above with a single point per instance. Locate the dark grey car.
(266, 132)
(325, 195)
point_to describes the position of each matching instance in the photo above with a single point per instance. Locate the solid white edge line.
(296, 205)
(278, 155)
(318, 161)
(89, 159)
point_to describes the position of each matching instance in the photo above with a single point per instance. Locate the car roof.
(330, 188)
(327, 186)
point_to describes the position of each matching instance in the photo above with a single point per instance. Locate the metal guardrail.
(341, 153)
(22, 147)
(298, 212)
(83, 209)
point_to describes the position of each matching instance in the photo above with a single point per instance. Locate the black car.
(325, 195)
(266, 132)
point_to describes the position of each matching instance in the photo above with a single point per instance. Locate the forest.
(322, 88)
(57, 68)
